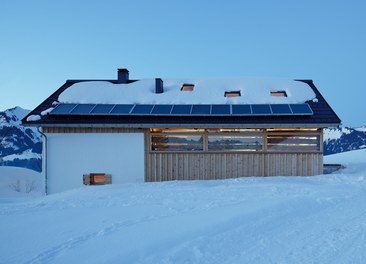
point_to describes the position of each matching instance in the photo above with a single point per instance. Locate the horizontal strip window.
(221, 140)
(202, 130)
(235, 143)
(177, 143)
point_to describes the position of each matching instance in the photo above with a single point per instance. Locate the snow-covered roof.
(206, 91)
(147, 94)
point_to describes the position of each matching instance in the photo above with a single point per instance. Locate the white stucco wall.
(69, 156)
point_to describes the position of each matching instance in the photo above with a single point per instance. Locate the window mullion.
(205, 141)
(265, 140)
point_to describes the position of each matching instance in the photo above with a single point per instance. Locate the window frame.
(292, 134)
(97, 179)
(265, 134)
(236, 135)
(178, 134)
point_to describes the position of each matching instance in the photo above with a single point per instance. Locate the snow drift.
(319, 219)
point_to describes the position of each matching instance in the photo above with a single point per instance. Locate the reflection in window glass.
(177, 143)
(294, 142)
(177, 130)
(234, 143)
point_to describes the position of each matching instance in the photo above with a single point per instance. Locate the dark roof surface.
(323, 116)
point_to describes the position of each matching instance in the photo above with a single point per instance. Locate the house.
(115, 131)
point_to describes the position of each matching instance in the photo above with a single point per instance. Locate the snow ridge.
(337, 140)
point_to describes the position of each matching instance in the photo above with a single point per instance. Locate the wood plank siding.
(208, 166)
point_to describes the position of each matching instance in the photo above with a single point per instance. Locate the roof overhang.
(198, 125)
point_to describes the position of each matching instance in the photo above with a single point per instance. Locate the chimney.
(159, 85)
(123, 76)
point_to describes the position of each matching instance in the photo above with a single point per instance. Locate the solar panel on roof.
(241, 110)
(162, 109)
(82, 109)
(261, 109)
(201, 109)
(181, 110)
(142, 109)
(63, 109)
(184, 110)
(280, 109)
(102, 109)
(122, 109)
(220, 109)
(301, 109)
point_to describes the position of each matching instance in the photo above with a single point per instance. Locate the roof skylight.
(279, 93)
(187, 87)
(232, 94)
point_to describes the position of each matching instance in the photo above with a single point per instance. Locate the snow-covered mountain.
(337, 140)
(19, 146)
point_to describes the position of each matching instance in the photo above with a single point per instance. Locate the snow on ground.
(19, 183)
(347, 158)
(320, 219)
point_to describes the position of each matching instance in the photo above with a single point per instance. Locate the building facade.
(180, 129)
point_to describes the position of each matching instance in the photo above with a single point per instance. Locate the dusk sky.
(43, 43)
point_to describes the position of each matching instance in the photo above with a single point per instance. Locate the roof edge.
(141, 125)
